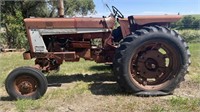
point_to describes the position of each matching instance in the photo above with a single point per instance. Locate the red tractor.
(148, 58)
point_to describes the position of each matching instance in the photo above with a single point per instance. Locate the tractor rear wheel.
(26, 83)
(151, 62)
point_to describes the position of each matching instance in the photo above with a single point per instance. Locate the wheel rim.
(25, 85)
(154, 65)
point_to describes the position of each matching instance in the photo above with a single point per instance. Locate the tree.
(13, 13)
(177, 25)
(187, 22)
(83, 7)
(73, 7)
(196, 23)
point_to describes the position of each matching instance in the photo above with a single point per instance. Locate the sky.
(149, 7)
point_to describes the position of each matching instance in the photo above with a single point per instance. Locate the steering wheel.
(117, 12)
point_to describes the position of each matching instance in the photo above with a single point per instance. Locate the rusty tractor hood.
(51, 23)
(146, 19)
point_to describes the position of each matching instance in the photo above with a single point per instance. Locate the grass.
(59, 94)
(87, 86)
(195, 65)
(10, 61)
(86, 67)
(196, 15)
(74, 90)
(177, 104)
(185, 104)
(23, 105)
(190, 36)
(157, 108)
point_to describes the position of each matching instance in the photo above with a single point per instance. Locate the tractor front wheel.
(152, 61)
(26, 83)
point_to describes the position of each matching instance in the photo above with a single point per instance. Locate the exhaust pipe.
(61, 8)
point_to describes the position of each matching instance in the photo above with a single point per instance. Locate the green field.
(90, 87)
(196, 15)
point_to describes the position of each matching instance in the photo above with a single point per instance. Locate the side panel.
(72, 31)
(38, 44)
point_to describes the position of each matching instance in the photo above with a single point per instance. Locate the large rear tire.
(152, 61)
(26, 83)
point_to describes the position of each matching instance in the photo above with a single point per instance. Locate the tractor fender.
(148, 19)
(133, 23)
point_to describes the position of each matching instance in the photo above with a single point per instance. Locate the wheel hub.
(149, 64)
(25, 85)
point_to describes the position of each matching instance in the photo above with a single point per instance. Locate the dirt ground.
(89, 87)
(87, 93)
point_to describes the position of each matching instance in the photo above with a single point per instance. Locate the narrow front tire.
(26, 83)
